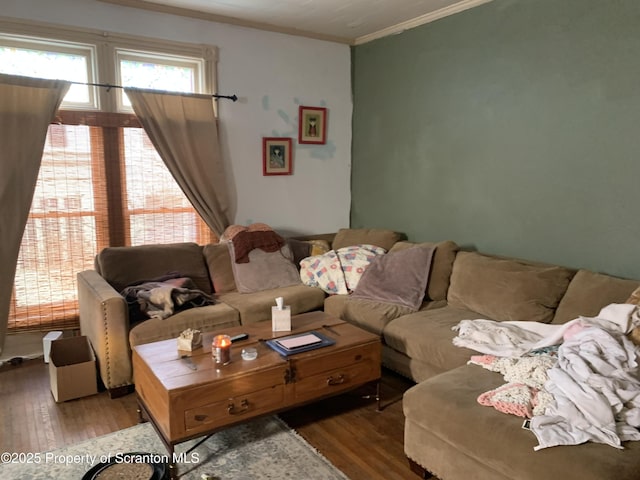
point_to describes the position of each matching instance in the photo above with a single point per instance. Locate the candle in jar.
(221, 349)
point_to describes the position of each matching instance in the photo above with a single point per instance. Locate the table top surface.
(177, 369)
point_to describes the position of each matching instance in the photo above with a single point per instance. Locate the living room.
(506, 127)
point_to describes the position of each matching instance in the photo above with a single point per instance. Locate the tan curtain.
(184, 130)
(27, 106)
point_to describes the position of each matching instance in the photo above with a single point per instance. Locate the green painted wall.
(512, 128)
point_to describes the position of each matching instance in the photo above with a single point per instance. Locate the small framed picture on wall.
(312, 125)
(277, 156)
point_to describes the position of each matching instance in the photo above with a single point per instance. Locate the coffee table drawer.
(233, 409)
(334, 381)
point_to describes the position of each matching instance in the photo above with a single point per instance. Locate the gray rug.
(262, 449)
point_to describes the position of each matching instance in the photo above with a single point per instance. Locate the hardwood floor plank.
(347, 430)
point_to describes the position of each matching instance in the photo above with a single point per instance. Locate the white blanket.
(595, 384)
(596, 389)
(512, 339)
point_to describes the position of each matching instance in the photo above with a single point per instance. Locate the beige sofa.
(447, 433)
(104, 313)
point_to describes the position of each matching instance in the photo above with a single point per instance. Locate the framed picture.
(276, 156)
(312, 127)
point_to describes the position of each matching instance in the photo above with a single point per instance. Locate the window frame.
(106, 45)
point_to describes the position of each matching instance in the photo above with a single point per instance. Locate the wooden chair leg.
(419, 469)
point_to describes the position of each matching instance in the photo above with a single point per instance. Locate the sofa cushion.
(335, 304)
(445, 408)
(427, 335)
(441, 266)
(218, 261)
(346, 237)
(371, 315)
(265, 270)
(206, 319)
(256, 307)
(506, 289)
(398, 277)
(123, 266)
(589, 292)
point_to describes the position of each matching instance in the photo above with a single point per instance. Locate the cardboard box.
(72, 369)
(46, 343)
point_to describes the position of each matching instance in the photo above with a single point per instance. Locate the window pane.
(158, 210)
(157, 76)
(51, 65)
(60, 237)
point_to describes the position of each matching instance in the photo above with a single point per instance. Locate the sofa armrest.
(104, 319)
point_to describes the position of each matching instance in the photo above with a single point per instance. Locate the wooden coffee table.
(187, 395)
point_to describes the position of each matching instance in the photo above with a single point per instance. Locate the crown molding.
(421, 20)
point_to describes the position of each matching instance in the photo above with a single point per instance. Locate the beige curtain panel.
(184, 131)
(27, 107)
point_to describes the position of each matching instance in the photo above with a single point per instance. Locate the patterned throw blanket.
(338, 271)
(162, 297)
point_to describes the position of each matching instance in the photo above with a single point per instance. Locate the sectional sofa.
(447, 433)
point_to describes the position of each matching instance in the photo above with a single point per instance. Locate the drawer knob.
(337, 380)
(244, 406)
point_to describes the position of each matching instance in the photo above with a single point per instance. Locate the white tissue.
(280, 302)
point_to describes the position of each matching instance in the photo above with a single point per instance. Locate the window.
(101, 182)
(159, 72)
(33, 57)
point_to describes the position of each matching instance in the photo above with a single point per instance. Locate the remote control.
(237, 338)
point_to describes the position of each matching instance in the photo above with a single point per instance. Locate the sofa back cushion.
(218, 260)
(124, 266)
(347, 237)
(506, 289)
(589, 292)
(265, 270)
(441, 266)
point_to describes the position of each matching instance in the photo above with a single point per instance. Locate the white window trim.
(106, 45)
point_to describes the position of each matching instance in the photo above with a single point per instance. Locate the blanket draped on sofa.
(162, 297)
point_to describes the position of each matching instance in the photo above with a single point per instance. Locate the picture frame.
(277, 156)
(312, 125)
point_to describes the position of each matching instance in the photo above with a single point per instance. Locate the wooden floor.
(363, 443)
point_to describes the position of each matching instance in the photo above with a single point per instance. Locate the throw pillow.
(398, 277)
(265, 270)
(302, 249)
(218, 261)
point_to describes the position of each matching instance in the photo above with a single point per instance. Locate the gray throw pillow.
(265, 270)
(398, 277)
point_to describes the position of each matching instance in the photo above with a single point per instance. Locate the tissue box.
(281, 319)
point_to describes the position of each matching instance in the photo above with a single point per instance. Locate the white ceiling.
(347, 21)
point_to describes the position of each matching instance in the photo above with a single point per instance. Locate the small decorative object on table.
(189, 339)
(221, 349)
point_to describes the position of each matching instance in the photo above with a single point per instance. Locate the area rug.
(262, 449)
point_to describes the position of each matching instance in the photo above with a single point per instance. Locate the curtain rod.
(109, 86)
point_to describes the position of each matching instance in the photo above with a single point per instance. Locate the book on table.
(302, 342)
